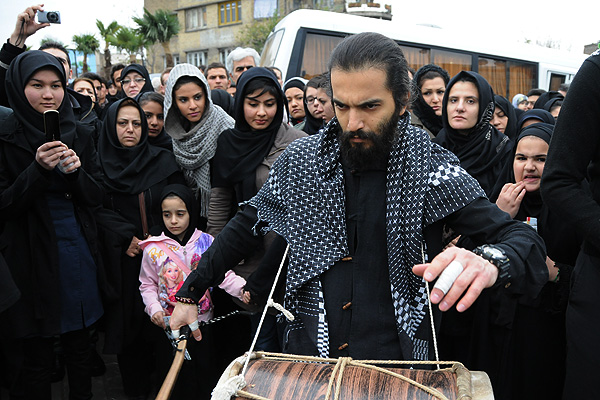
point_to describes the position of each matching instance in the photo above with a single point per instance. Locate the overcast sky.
(572, 23)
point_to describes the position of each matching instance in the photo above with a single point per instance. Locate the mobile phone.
(52, 125)
(51, 17)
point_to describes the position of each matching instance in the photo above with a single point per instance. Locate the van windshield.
(271, 48)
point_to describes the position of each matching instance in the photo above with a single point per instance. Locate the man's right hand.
(26, 25)
(185, 314)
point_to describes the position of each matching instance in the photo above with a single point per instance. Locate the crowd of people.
(160, 204)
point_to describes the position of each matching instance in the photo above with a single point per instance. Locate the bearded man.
(362, 205)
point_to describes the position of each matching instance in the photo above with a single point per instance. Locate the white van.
(301, 43)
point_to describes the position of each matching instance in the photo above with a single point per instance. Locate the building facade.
(210, 29)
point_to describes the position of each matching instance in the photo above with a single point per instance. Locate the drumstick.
(167, 387)
(169, 382)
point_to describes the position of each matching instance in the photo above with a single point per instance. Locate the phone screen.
(52, 125)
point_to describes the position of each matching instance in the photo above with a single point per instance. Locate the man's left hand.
(477, 275)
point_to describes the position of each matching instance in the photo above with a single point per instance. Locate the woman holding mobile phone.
(48, 235)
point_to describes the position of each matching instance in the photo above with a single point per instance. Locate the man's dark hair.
(95, 77)
(536, 92)
(55, 45)
(373, 50)
(316, 81)
(215, 65)
(564, 87)
(115, 68)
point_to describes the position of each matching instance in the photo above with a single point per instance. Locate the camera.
(52, 17)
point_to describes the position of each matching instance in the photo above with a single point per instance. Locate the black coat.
(125, 317)
(27, 239)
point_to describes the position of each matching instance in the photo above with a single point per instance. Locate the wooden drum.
(284, 376)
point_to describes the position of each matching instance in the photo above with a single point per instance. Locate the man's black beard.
(356, 156)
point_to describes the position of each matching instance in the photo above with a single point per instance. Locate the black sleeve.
(575, 143)
(235, 242)
(260, 282)
(484, 223)
(7, 54)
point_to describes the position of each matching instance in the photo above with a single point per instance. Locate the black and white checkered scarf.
(304, 201)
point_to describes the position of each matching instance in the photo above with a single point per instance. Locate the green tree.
(159, 27)
(49, 39)
(128, 39)
(107, 33)
(255, 34)
(87, 44)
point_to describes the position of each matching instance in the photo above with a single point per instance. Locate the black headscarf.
(240, 150)
(419, 107)
(131, 169)
(508, 110)
(187, 196)
(547, 96)
(531, 206)
(550, 103)
(140, 69)
(19, 73)
(299, 83)
(537, 114)
(484, 150)
(312, 125)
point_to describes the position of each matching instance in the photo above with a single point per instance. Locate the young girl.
(166, 262)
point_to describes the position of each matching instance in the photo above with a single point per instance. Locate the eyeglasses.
(311, 99)
(126, 82)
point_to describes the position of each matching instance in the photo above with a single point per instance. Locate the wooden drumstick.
(167, 387)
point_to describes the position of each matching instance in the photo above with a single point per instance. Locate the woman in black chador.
(468, 108)
(48, 235)
(530, 360)
(135, 174)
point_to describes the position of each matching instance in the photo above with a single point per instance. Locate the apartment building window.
(195, 18)
(197, 58)
(175, 60)
(230, 12)
(264, 8)
(223, 53)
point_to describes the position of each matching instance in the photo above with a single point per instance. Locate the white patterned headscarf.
(304, 201)
(194, 148)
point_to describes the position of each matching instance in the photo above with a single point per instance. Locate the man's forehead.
(249, 60)
(216, 72)
(57, 53)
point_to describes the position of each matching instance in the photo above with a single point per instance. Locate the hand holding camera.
(26, 25)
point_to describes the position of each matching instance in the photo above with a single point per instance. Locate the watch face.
(494, 253)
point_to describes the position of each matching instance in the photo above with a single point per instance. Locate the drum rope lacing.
(234, 385)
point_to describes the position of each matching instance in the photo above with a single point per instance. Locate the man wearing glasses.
(240, 60)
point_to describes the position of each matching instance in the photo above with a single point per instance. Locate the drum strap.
(271, 303)
(435, 344)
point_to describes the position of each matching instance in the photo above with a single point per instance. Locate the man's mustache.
(359, 134)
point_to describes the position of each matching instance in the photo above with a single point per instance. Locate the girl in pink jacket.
(166, 262)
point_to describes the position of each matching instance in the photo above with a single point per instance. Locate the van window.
(271, 48)
(416, 57)
(556, 80)
(451, 61)
(494, 71)
(317, 49)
